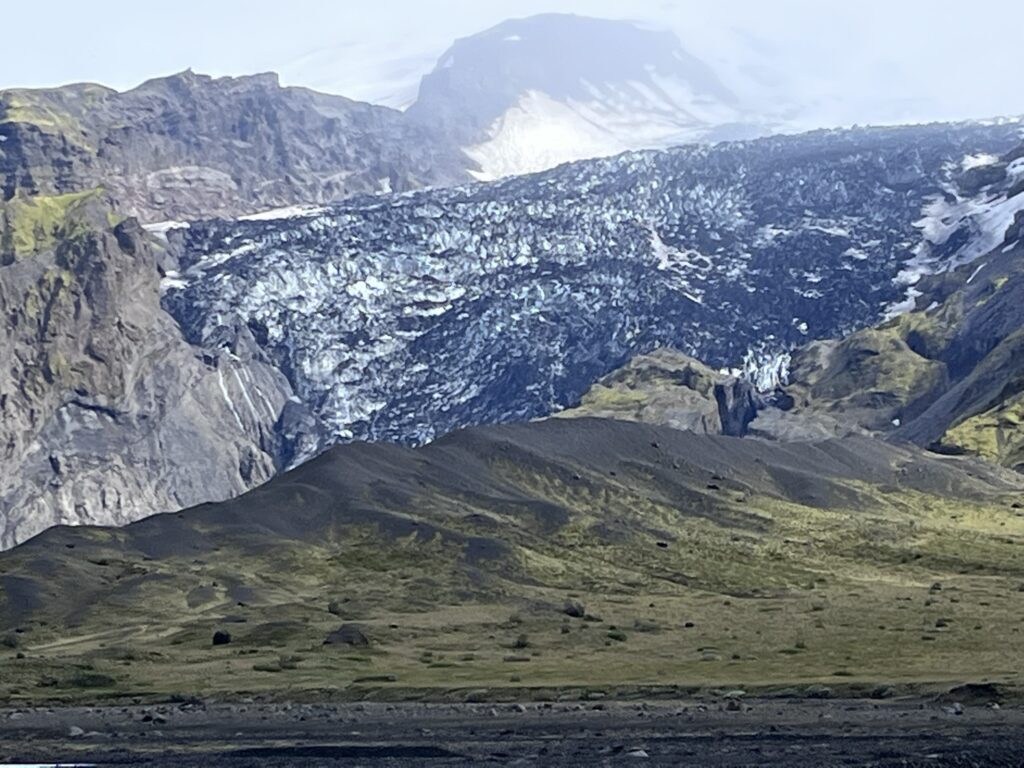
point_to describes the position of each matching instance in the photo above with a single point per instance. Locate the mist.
(840, 63)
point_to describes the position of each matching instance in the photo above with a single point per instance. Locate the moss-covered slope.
(561, 553)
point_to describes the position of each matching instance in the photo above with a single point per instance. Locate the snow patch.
(161, 228)
(227, 397)
(288, 212)
(974, 274)
(540, 132)
(909, 304)
(171, 281)
(986, 217)
(766, 370)
(978, 161)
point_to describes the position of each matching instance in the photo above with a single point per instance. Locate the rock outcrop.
(663, 387)
(106, 413)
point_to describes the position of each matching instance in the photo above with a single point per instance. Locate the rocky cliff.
(106, 412)
(190, 146)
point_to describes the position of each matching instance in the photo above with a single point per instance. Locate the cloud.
(867, 61)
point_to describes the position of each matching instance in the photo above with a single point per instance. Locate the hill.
(559, 554)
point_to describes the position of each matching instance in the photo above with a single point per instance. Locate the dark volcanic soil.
(740, 732)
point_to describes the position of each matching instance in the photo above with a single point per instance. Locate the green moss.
(44, 110)
(995, 434)
(879, 361)
(34, 224)
(839, 570)
(654, 388)
(927, 333)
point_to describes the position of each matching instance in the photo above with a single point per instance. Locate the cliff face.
(106, 413)
(190, 146)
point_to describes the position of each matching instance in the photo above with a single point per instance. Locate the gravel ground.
(713, 733)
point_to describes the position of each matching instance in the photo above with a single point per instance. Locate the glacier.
(402, 317)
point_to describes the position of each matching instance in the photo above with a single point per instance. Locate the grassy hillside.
(567, 554)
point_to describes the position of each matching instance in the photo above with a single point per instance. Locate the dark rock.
(376, 679)
(818, 692)
(975, 693)
(737, 406)
(221, 637)
(574, 609)
(352, 635)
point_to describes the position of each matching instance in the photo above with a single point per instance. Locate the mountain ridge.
(188, 145)
(107, 411)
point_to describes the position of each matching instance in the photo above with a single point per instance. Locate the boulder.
(220, 637)
(574, 609)
(348, 634)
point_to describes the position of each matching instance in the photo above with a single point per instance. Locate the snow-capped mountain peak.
(532, 93)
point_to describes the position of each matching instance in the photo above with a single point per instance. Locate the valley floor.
(704, 731)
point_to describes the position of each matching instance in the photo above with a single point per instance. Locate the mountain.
(532, 93)
(949, 375)
(106, 411)
(248, 346)
(548, 556)
(190, 146)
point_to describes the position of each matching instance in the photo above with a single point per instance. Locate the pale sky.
(859, 61)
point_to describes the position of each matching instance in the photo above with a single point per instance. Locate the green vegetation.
(54, 112)
(995, 434)
(663, 387)
(561, 576)
(32, 224)
(876, 367)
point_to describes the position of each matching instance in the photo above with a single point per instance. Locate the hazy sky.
(949, 58)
